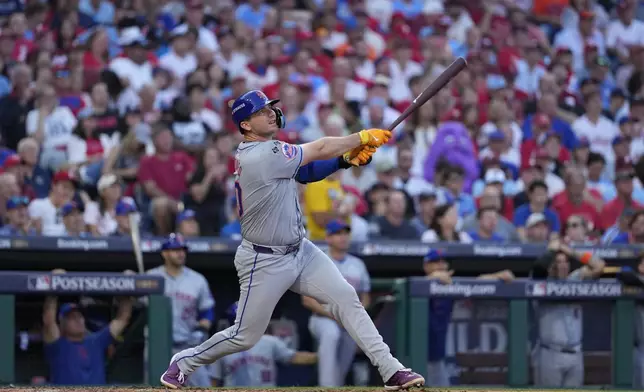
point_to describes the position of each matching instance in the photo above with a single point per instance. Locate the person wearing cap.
(537, 203)
(491, 197)
(134, 68)
(577, 199)
(558, 357)
(436, 267)
(46, 212)
(17, 218)
(624, 199)
(191, 299)
(51, 125)
(537, 229)
(335, 347)
(496, 177)
(635, 233)
(181, 59)
(499, 147)
(194, 18)
(122, 211)
(75, 355)
(186, 224)
(72, 214)
(164, 177)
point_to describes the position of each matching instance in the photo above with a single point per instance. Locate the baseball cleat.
(173, 378)
(404, 379)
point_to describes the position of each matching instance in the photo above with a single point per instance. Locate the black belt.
(270, 251)
(565, 350)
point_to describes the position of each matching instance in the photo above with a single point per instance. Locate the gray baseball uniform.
(336, 349)
(256, 367)
(638, 352)
(274, 257)
(559, 359)
(189, 294)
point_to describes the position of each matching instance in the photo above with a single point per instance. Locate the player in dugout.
(436, 267)
(256, 367)
(75, 355)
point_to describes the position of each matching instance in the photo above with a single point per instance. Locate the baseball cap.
(124, 208)
(620, 139)
(185, 215)
(432, 256)
(494, 176)
(64, 175)
(70, 207)
(67, 308)
(106, 181)
(536, 218)
(337, 226)
(17, 201)
(12, 161)
(497, 136)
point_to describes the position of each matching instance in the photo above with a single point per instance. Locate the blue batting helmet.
(251, 103)
(174, 241)
(231, 313)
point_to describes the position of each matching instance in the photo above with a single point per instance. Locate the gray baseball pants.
(264, 278)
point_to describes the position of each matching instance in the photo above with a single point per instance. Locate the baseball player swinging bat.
(441, 81)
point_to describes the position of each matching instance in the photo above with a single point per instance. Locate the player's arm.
(332, 147)
(50, 330)
(122, 319)
(315, 307)
(593, 266)
(304, 358)
(505, 275)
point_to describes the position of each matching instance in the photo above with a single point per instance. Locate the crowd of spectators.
(113, 107)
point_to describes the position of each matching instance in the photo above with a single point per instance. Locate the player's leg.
(263, 280)
(638, 368)
(319, 278)
(327, 335)
(346, 354)
(550, 372)
(574, 377)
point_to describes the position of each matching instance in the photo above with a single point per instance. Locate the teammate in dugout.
(256, 367)
(274, 255)
(192, 302)
(557, 358)
(336, 348)
(76, 356)
(436, 267)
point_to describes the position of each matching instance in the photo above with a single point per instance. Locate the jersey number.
(238, 194)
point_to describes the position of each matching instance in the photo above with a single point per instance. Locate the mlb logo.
(40, 283)
(539, 289)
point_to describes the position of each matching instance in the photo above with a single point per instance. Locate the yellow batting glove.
(374, 137)
(359, 156)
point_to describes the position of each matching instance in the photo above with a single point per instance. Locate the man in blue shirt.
(538, 203)
(17, 216)
(75, 355)
(436, 267)
(453, 192)
(635, 235)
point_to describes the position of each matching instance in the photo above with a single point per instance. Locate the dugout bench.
(159, 312)
(413, 315)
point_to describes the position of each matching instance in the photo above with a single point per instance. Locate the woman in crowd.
(100, 215)
(443, 228)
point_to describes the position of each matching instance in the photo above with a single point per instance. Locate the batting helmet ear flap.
(280, 119)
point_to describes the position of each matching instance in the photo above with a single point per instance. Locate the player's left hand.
(359, 156)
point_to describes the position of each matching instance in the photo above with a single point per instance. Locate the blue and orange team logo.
(261, 95)
(289, 150)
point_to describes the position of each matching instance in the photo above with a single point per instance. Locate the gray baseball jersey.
(269, 211)
(355, 272)
(253, 368)
(189, 294)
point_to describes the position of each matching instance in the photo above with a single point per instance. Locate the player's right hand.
(374, 137)
(359, 156)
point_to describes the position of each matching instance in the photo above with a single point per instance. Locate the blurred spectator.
(635, 234)
(377, 199)
(491, 198)
(8, 188)
(17, 218)
(621, 226)
(577, 199)
(495, 177)
(133, 68)
(207, 192)
(194, 17)
(360, 177)
(595, 169)
(51, 125)
(99, 216)
(325, 201)
(15, 107)
(453, 192)
(576, 231)
(181, 59)
(538, 203)
(452, 144)
(164, 177)
(537, 229)
(488, 219)
(46, 213)
(599, 130)
(35, 178)
(122, 212)
(232, 229)
(394, 225)
(73, 220)
(426, 209)
(444, 226)
(625, 32)
(186, 224)
(405, 180)
(575, 38)
(75, 355)
(624, 199)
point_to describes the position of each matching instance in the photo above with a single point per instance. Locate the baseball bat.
(454, 69)
(135, 235)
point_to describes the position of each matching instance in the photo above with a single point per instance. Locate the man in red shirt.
(164, 177)
(624, 185)
(576, 199)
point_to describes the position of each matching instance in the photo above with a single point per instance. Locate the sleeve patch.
(289, 151)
